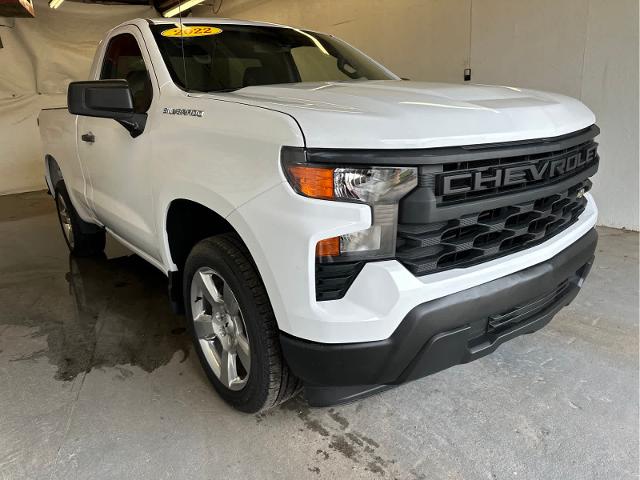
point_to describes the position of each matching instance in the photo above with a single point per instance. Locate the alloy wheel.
(220, 328)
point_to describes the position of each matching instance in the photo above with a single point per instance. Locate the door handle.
(88, 137)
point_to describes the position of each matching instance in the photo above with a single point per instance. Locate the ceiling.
(24, 8)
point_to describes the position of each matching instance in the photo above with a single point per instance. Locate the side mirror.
(106, 99)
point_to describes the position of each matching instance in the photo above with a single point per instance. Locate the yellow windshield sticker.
(191, 31)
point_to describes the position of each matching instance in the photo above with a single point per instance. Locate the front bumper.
(281, 230)
(438, 334)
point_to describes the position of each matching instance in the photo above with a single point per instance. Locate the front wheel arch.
(188, 222)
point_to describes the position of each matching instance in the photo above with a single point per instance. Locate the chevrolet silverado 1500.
(323, 223)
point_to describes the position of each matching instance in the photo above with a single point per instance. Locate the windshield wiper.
(223, 90)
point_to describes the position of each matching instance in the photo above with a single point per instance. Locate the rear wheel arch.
(53, 172)
(82, 238)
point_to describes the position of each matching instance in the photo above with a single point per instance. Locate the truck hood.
(396, 114)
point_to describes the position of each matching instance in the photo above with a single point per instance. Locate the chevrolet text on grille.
(474, 180)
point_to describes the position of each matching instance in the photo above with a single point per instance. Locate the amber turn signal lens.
(329, 247)
(315, 182)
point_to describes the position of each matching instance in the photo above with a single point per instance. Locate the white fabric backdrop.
(40, 57)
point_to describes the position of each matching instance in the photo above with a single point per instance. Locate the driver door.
(118, 165)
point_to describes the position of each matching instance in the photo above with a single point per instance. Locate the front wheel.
(233, 326)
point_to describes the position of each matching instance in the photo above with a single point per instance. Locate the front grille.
(478, 237)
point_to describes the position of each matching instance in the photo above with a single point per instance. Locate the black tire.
(269, 381)
(85, 238)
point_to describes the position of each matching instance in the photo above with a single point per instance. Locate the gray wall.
(584, 48)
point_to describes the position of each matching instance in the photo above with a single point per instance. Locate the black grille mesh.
(482, 236)
(503, 321)
(334, 279)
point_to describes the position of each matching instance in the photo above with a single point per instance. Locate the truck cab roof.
(211, 20)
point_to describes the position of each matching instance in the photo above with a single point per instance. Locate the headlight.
(379, 187)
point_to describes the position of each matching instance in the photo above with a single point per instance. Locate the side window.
(123, 60)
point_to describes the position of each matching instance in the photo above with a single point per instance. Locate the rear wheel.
(82, 238)
(233, 326)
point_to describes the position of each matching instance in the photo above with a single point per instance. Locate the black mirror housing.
(106, 99)
(101, 98)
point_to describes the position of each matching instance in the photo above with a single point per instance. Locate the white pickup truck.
(323, 223)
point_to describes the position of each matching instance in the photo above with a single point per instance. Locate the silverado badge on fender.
(183, 111)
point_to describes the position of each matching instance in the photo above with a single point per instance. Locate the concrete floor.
(97, 380)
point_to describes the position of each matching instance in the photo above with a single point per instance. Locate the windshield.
(228, 57)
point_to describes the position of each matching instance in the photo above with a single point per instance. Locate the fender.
(222, 208)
